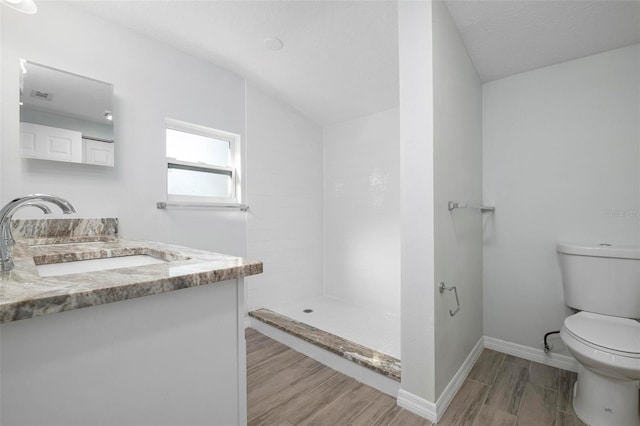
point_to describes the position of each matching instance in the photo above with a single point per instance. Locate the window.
(202, 164)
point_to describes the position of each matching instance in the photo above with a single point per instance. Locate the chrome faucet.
(6, 230)
(33, 200)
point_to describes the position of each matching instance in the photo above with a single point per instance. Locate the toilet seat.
(619, 336)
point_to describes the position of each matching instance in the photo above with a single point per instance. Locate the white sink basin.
(80, 266)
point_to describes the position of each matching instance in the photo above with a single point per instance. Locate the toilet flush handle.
(455, 291)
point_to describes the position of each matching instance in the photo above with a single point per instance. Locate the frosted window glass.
(198, 183)
(197, 149)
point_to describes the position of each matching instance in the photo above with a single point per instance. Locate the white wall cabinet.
(98, 153)
(50, 143)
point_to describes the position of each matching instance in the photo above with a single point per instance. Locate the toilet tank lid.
(600, 250)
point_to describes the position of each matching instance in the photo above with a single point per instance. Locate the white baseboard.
(434, 412)
(458, 379)
(532, 354)
(417, 405)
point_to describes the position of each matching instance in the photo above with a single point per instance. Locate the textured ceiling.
(508, 37)
(340, 58)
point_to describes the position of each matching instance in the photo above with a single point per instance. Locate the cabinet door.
(27, 141)
(50, 143)
(100, 153)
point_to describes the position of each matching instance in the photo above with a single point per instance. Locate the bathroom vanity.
(159, 342)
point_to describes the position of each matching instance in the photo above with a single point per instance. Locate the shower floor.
(367, 327)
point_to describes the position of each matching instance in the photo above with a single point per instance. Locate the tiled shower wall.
(362, 211)
(284, 192)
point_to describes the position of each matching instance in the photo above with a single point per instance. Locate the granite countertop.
(24, 294)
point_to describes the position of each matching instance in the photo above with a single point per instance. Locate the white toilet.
(603, 282)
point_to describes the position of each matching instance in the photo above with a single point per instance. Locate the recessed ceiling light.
(273, 43)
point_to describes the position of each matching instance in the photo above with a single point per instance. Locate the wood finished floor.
(286, 388)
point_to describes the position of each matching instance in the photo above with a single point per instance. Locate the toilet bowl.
(608, 350)
(603, 282)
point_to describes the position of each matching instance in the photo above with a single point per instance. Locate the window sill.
(186, 204)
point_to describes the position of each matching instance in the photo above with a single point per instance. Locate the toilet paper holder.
(442, 288)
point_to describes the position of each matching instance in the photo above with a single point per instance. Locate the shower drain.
(307, 311)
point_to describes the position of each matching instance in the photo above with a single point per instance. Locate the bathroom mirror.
(65, 116)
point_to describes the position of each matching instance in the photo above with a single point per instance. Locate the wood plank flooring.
(287, 388)
(505, 390)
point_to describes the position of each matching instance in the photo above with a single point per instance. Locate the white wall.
(362, 211)
(416, 196)
(458, 177)
(151, 81)
(560, 150)
(284, 185)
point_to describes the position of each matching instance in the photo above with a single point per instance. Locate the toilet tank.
(601, 278)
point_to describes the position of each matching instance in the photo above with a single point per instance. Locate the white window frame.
(234, 169)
